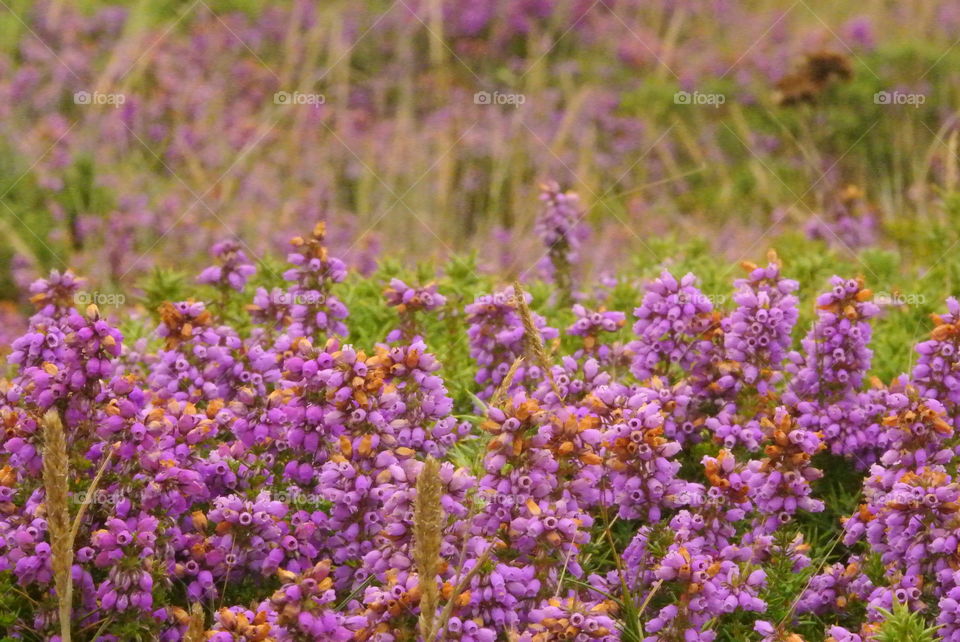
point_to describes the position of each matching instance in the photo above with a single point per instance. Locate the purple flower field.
(489, 321)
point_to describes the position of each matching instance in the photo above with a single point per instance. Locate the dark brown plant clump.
(818, 71)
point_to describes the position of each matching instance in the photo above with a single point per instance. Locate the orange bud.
(366, 446)
(199, 520)
(345, 447)
(533, 507)
(591, 459)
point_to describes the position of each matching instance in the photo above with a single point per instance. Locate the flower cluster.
(642, 463)
(779, 484)
(497, 340)
(233, 269)
(938, 362)
(570, 618)
(761, 325)
(559, 228)
(275, 470)
(408, 301)
(590, 325)
(827, 378)
(307, 306)
(672, 322)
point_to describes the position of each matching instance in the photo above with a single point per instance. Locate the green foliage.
(11, 605)
(900, 624)
(164, 285)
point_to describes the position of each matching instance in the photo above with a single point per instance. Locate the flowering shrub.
(261, 478)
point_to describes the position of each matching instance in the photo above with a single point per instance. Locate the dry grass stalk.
(88, 497)
(951, 173)
(459, 589)
(63, 531)
(504, 386)
(533, 337)
(427, 530)
(56, 470)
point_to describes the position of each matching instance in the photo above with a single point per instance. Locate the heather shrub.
(248, 460)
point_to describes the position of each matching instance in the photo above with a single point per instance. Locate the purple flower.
(233, 269)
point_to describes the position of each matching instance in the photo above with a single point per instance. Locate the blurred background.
(134, 135)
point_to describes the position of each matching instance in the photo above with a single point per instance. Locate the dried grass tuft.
(56, 471)
(534, 339)
(427, 537)
(196, 628)
(504, 386)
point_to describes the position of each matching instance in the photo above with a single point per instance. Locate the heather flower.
(908, 519)
(570, 617)
(237, 624)
(948, 611)
(201, 360)
(914, 431)
(304, 607)
(827, 378)
(642, 463)
(271, 308)
(714, 511)
(576, 381)
(558, 226)
(715, 586)
(125, 548)
(731, 430)
(836, 353)
(502, 594)
(671, 323)
(935, 373)
(771, 633)
(56, 294)
(283, 464)
(836, 589)
(408, 301)
(314, 310)
(497, 339)
(682, 421)
(779, 484)
(760, 326)
(405, 298)
(233, 269)
(850, 221)
(591, 325)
